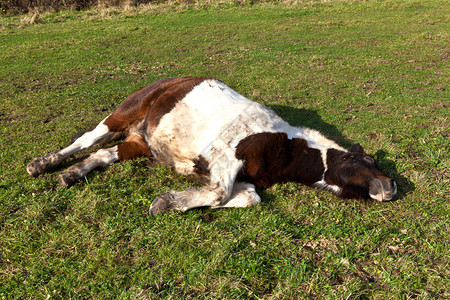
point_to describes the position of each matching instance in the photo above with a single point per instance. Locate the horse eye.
(369, 159)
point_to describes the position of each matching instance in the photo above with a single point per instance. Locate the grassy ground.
(373, 72)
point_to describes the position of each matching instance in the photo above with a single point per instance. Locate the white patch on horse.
(87, 140)
(323, 185)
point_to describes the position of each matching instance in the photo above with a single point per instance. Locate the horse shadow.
(311, 119)
(388, 166)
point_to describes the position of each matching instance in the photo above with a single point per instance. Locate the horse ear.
(357, 148)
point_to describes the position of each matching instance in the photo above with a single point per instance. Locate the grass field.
(373, 72)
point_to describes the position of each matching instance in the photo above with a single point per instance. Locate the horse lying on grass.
(200, 125)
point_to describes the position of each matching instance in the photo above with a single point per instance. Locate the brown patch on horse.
(134, 108)
(201, 165)
(305, 163)
(272, 157)
(153, 100)
(134, 146)
(264, 155)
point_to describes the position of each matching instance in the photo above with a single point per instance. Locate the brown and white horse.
(200, 125)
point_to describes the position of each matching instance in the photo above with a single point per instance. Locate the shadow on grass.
(311, 119)
(404, 185)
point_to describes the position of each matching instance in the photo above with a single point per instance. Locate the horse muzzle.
(382, 189)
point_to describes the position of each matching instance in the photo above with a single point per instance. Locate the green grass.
(373, 72)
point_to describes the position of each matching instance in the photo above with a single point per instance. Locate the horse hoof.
(43, 164)
(68, 179)
(162, 204)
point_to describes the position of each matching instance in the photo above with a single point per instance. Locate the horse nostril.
(390, 190)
